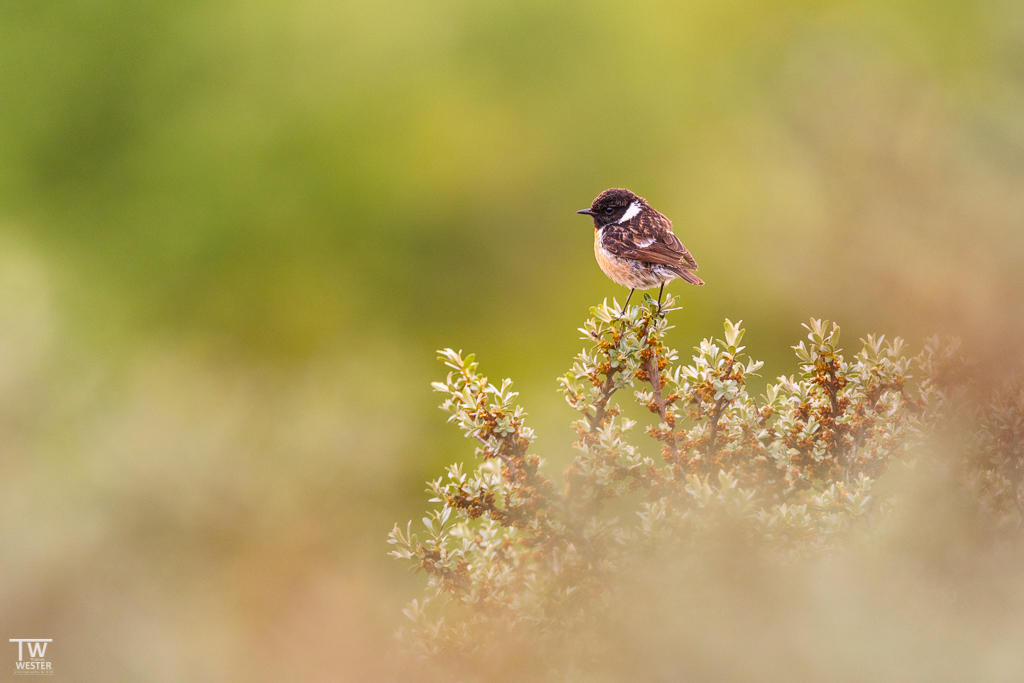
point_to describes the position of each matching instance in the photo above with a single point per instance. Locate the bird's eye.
(609, 210)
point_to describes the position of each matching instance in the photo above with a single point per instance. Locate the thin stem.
(602, 403)
(654, 377)
(717, 414)
(831, 389)
(501, 456)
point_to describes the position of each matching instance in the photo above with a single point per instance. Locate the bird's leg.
(627, 302)
(660, 292)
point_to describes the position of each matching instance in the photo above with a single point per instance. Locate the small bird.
(634, 244)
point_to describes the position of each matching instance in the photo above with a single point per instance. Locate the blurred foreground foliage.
(517, 562)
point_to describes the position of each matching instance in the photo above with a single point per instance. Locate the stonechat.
(634, 244)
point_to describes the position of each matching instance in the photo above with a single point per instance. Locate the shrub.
(513, 556)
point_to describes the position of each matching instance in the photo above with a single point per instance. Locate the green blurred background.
(232, 235)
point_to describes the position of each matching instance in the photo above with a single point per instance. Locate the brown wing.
(648, 237)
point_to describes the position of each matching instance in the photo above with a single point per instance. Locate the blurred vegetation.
(756, 502)
(511, 557)
(233, 235)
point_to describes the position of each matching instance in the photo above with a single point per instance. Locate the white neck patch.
(633, 210)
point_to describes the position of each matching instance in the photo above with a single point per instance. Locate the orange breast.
(618, 269)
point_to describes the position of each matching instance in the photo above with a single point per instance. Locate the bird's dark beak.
(586, 211)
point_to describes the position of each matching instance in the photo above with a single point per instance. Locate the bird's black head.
(616, 205)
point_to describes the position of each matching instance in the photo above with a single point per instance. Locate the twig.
(654, 377)
(831, 389)
(602, 403)
(501, 456)
(717, 414)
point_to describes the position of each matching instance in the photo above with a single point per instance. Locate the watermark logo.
(35, 664)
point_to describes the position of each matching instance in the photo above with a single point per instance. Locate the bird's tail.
(690, 277)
